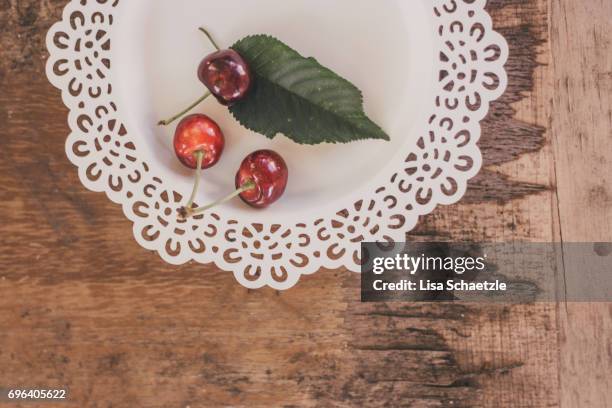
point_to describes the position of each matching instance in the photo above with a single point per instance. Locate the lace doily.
(470, 71)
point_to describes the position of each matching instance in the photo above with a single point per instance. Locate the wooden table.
(83, 306)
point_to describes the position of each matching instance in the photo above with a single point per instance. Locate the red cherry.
(260, 181)
(198, 144)
(267, 172)
(198, 133)
(226, 75)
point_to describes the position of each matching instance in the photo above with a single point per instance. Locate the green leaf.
(299, 97)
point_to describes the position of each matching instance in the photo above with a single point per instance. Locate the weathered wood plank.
(581, 38)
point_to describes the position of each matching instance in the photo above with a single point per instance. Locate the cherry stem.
(184, 112)
(188, 211)
(212, 41)
(200, 158)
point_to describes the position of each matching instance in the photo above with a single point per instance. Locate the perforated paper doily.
(469, 64)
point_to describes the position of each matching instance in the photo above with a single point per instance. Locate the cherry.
(198, 144)
(269, 172)
(198, 133)
(260, 181)
(226, 75)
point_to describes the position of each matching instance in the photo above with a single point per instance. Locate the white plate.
(427, 69)
(382, 49)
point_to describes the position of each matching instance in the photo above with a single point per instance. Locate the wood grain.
(84, 307)
(582, 65)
